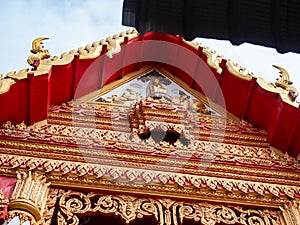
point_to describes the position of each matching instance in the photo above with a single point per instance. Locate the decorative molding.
(82, 175)
(29, 194)
(214, 59)
(250, 146)
(72, 205)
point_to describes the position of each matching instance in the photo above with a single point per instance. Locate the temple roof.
(269, 23)
(28, 95)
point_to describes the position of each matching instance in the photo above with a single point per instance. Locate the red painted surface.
(28, 100)
(7, 185)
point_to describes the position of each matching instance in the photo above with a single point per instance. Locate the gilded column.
(29, 197)
(291, 213)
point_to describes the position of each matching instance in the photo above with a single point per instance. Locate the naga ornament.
(38, 51)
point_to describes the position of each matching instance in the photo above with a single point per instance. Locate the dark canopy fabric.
(271, 23)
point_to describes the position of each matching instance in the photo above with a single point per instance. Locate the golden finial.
(38, 51)
(284, 81)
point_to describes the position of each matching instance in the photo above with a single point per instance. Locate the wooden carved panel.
(74, 205)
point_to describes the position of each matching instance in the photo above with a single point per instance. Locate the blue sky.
(74, 23)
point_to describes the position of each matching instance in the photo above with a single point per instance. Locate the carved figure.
(157, 88)
(38, 51)
(285, 82)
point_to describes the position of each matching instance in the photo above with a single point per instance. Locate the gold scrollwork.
(72, 205)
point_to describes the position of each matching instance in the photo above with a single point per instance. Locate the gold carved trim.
(165, 211)
(29, 194)
(131, 76)
(36, 159)
(95, 176)
(88, 52)
(3, 206)
(239, 71)
(214, 59)
(52, 198)
(91, 51)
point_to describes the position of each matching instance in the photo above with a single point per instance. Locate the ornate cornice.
(134, 180)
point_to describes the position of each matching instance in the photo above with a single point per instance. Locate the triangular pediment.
(155, 85)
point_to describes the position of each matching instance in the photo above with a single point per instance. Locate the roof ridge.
(90, 51)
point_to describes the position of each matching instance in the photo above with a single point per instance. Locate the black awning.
(271, 23)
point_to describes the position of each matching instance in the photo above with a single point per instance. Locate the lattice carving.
(146, 176)
(72, 205)
(53, 196)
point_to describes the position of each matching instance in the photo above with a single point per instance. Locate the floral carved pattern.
(52, 198)
(73, 205)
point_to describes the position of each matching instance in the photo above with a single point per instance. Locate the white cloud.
(258, 59)
(69, 24)
(74, 23)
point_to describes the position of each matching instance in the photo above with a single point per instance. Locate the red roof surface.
(28, 97)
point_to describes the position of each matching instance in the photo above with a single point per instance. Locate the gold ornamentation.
(89, 52)
(285, 82)
(213, 59)
(255, 152)
(76, 170)
(239, 71)
(22, 215)
(30, 194)
(53, 196)
(5, 84)
(39, 53)
(72, 205)
(291, 212)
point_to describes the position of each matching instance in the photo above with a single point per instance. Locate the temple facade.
(147, 129)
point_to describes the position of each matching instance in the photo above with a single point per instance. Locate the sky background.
(74, 23)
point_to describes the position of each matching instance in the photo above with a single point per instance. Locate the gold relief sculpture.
(82, 175)
(29, 195)
(52, 198)
(285, 82)
(39, 53)
(213, 59)
(73, 205)
(239, 71)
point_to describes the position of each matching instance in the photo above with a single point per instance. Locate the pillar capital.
(29, 196)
